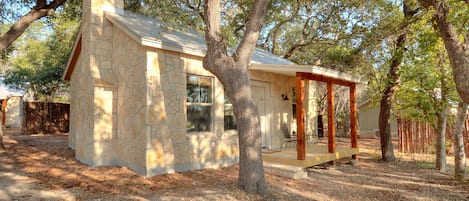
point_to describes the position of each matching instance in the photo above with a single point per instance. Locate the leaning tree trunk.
(387, 150)
(459, 152)
(458, 50)
(232, 71)
(441, 140)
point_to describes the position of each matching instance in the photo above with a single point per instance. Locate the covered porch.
(307, 155)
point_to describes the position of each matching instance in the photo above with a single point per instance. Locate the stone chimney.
(96, 57)
(97, 35)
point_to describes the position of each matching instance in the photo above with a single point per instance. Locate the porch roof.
(311, 72)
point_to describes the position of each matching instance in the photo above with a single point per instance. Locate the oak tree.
(451, 21)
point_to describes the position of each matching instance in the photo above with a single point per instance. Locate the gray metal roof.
(147, 31)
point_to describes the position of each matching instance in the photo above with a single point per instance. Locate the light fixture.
(285, 97)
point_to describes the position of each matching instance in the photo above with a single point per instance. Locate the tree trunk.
(441, 140)
(232, 71)
(442, 116)
(459, 152)
(41, 9)
(251, 170)
(458, 51)
(387, 150)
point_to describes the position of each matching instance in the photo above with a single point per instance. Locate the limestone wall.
(81, 111)
(14, 112)
(128, 67)
(171, 147)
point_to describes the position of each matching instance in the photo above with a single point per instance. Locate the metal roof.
(147, 31)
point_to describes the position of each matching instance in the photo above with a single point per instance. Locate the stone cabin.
(140, 97)
(12, 106)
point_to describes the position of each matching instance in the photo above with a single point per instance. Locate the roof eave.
(72, 60)
(151, 42)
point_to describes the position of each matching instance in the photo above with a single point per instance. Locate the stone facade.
(14, 112)
(128, 103)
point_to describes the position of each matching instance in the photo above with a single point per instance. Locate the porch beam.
(322, 78)
(300, 117)
(353, 119)
(330, 119)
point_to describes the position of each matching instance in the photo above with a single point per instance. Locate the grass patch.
(425, 164)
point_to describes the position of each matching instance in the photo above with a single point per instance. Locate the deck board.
(315, 155)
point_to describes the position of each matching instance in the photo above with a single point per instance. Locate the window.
(199, 103)
(294, 102)
(229, 120)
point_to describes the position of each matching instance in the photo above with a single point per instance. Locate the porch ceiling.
(319, 73)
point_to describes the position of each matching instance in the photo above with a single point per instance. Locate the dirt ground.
(42, 167)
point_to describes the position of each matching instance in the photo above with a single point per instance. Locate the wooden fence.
(48, 118)
(419, 137)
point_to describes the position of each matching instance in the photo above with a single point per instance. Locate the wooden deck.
(315, 154)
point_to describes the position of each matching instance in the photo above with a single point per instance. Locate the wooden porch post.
(353, 119)
(300, 118)
(330, 119)
(4, 106)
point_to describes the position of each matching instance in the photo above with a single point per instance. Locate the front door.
(260, 94)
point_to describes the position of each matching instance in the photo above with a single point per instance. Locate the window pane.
(293, 90)
(193, 90)
(228, 117)
(205, 85)
(199, 118)
(294, 110)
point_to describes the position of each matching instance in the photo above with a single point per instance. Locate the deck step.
(289, 171)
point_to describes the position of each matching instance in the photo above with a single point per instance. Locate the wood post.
(4, 106)
(353, 119)
(300, 119)
(330, 119)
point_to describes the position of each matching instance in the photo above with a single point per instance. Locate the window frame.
(211, 103)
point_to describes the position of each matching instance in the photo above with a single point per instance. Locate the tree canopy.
(38, 58)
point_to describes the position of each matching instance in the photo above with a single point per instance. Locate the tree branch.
(274, 31)
(16, 30)
(253, 28)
